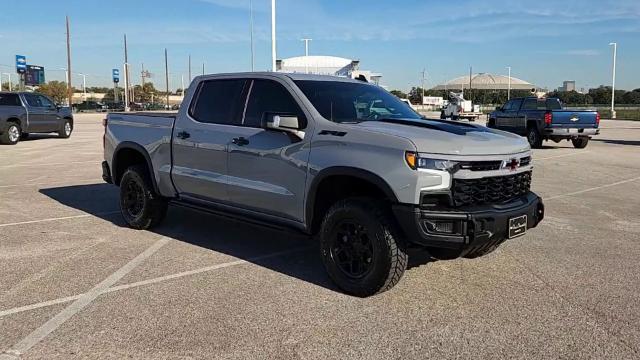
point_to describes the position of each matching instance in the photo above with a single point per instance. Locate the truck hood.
(451, 138)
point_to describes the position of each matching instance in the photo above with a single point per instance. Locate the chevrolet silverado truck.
(22, 113)
(544, 119)
(311, 153)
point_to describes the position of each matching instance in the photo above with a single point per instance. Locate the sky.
(544, 41)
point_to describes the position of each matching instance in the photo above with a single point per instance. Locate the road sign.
(34, 75)
(116, 75)
(21, 64)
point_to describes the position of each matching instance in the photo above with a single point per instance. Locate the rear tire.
(534, 138)
(361, 248)
(66, 129)
(141, 207)
(580, 143)
(12, 135)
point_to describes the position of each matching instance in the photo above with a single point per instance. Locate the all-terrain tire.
(580, 143)
(141, 207)
(65, 129)
(374, 225)
(12, 135)
(534, 138)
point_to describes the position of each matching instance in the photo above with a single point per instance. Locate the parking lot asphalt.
(75, 282)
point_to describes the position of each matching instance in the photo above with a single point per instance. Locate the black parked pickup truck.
(544, 119)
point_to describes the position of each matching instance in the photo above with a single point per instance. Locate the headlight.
(416, 162)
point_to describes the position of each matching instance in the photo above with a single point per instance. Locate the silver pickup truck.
(22, 113)
(311, 153)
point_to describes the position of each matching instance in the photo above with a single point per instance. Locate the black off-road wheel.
(11, 135)
(65, 129)
(534, 138)
(580, 143)
(361, 248)
(141, 207)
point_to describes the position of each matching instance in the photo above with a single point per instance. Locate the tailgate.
(579, 119)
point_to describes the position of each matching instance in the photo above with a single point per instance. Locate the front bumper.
(571, 132)
(471, 227)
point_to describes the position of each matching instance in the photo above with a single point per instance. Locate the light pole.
(509, 87)
(613, 81)
(66, 79)
(273, 35)
(251, 26)
(306, 53)
(422, 100)
(84, 86)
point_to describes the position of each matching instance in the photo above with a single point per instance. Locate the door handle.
(240, 141)
(183, 135)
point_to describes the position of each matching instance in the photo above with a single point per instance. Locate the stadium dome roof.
(485, 81)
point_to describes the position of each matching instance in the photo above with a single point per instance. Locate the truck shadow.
(287, 252)
(619, 142)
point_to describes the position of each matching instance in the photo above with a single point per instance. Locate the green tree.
(56, 90)
(399, 93)
(144, 94)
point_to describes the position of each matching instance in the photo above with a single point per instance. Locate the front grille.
(480, 165)
(490, 190)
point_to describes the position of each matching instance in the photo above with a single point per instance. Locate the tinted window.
(553, 104)
(44, 101)
(530, 104)
(218, 101)
(32, 100)
(9, 100)
(342, 101)
(269, 97)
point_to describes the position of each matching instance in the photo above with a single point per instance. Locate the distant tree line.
(597, 96)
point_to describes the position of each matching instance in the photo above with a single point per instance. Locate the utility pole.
(190, 78)
(273, 35)
(166, 74)
(126, 76)
(613, 81)
(69, 89)
(509, 88)
(202, 68)
(251, 27)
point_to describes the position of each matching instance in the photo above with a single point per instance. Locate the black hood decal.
(441, 125)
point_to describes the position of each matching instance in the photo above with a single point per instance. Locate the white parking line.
(58, 218)
(563, 155)
(50, 164)
(47, 328)
(591, 189)
(149, 281)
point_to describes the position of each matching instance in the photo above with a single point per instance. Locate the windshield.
(352, 102)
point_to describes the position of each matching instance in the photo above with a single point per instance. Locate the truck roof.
(293, 76)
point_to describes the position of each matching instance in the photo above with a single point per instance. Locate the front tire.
(141, 207)
(65, 129)
(534, 138)
(580, 143)
(12, 135)
(361, 248)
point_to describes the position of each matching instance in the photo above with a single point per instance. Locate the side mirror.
(498, 108)
(287, 123)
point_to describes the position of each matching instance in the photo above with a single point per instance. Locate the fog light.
(445, 227)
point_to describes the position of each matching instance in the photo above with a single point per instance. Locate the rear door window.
(530, 104)
(32, 100)
(553, 104)
(9, 100)
(269, 97)
(45, 102)
(218, 102)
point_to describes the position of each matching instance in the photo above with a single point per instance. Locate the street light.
(509, 88)
(613, 81)
(273, 35)
(84, 86)
(306, 54)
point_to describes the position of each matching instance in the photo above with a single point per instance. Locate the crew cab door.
(200, 139)
(268, 168)
(39, 114)
(508, 118)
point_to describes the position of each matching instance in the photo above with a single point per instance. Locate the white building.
(326, 65)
